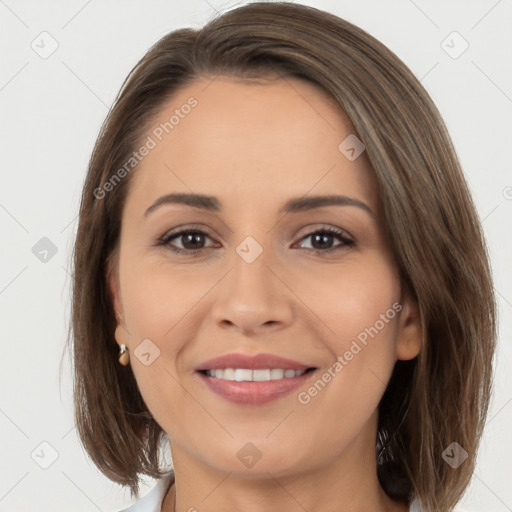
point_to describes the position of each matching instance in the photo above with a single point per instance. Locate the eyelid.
(312, 229)
(188, 227)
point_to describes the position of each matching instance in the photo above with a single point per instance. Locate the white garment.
(152, 502)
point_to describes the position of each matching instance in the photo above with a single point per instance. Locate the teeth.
(246, 375)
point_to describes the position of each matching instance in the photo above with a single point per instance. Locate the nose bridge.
(251, 269)
(252, 295)
(251, 276)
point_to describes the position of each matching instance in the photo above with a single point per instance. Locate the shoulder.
(152, 501)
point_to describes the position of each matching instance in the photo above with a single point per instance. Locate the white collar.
(152, 501)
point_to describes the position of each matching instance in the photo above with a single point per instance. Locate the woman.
(280, 271)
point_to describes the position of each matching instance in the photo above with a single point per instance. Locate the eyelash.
(165, 240)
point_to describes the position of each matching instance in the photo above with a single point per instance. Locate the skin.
(254, 146)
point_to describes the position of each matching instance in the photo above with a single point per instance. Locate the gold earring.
(124, 356)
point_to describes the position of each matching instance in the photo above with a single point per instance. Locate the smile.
(247, 375)
(242, 386)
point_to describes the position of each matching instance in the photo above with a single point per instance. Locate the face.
(249, 272)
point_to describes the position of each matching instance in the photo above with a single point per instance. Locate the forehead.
(248, 141)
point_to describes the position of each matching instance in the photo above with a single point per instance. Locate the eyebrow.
(300, 204)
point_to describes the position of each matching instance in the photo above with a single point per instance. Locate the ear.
(410, 329)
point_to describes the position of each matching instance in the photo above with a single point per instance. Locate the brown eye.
(321, 240)
(191, 240)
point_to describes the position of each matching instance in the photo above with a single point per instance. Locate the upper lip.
(251, 362)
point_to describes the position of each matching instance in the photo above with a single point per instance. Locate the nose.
(253, 297)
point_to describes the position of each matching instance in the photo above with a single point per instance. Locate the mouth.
(257, 375)
(254, 387)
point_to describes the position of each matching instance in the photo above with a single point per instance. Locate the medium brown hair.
(439, 397)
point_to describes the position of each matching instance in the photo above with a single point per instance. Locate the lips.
(256, 362)
(257, 390)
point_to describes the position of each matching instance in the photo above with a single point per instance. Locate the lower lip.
(254, 393)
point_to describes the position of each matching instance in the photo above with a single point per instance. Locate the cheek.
(161, 310)
(156, 299)
(364, 311)
(359, 310)
(353, 299)
(346, 393)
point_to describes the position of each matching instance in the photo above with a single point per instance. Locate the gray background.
(51, 110)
